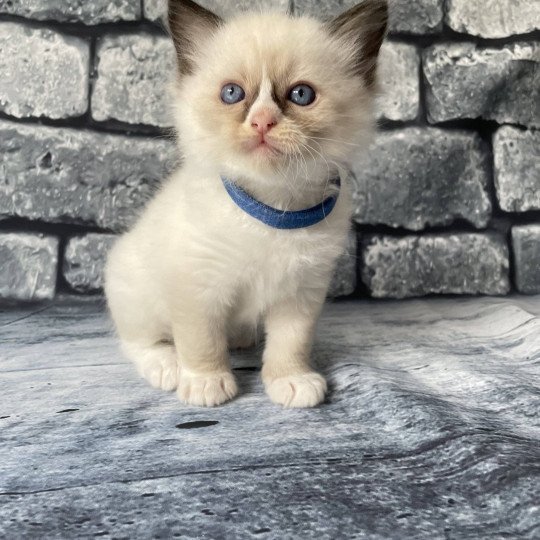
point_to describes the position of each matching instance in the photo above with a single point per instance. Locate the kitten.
(268, 109)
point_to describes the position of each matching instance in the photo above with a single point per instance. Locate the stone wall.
(447, 202)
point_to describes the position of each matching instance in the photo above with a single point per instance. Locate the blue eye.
(232, 93)
(302, 95)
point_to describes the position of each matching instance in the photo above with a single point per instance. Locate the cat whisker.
(337, 141)
(309, 148)
(313, 157)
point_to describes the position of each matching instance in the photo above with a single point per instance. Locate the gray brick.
(28, 266)
(344, 280)
(526, 248)
(416, 17)
(517, 169)
(493, 18)
(64, 175)
(406, 16)
(132, 77)
(444, 264)
(88, 12)
(157, 9)
(422, 176)
(44, 73)
(233, 7)
(322, 10)
(84, 261)
(465, 81)
(399, 73)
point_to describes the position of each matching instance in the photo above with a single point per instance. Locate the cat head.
(272, 93)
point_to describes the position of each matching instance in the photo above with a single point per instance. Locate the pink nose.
(263, 121)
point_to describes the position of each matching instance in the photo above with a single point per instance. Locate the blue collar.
(280, 219)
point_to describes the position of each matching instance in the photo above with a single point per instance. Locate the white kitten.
(274, 104)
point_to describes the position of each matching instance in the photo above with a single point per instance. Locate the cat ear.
(189, 23)
(364, 27)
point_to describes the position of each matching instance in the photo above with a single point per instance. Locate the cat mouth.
(263, 146)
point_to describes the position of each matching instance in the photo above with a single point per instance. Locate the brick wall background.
(448, 200)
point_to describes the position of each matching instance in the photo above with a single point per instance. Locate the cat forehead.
(276, 41)
(271, 28)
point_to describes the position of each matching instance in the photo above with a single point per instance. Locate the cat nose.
(263, 121)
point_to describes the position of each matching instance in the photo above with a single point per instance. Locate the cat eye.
(302, 94)
(232, 93)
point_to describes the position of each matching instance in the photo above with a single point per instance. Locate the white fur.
(197, 274)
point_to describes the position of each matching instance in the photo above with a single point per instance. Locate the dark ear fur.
(188, 24)
(365, 26)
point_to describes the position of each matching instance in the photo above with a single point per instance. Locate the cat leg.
(288, 378)
(139, 319)
(206, 378)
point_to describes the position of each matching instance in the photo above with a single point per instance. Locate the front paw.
(297, 391)
(163, 375)
(157, 364)
(206, 390)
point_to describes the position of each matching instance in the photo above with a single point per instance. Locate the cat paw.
(297, 391)
(206, 390)
(162, 374)
(157, 364)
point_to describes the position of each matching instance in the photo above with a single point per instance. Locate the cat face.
(271, 93)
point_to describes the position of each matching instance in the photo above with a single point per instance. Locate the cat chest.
(284, 263)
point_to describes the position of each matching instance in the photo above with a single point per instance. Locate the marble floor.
(430, 430)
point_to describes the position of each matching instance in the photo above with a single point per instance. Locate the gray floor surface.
(430, 430)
